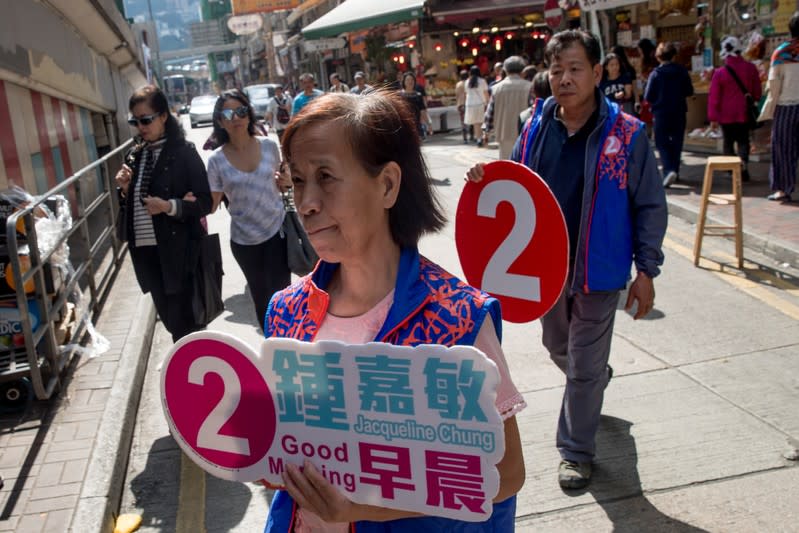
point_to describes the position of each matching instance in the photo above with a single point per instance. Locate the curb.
(101, 492)
(775, 249)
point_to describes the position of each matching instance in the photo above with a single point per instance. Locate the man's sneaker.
(670, 178)
(572, 475)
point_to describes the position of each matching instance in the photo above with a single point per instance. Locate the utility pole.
(269, 48)
(157, 69)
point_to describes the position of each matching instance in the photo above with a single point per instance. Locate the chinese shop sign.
(406, 428)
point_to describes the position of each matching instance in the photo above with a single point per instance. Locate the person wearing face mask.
(246, 169)
(163, 188)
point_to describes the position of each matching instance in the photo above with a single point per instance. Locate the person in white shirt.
(278, 112)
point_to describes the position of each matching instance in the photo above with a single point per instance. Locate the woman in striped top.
(164, 189)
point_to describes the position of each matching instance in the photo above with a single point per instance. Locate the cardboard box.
(11, 335)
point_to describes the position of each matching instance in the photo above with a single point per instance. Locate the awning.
(360, 14)
(481, 8)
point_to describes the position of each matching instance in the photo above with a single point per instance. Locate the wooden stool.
(721, 163)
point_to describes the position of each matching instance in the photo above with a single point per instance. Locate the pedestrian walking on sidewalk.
(727, 104)
(363, 191)
(245, 169)
(598, 163)
(782, 105)
(460, 102)
(510, 97)
(666, 90)
(476, 100)
(163, 193)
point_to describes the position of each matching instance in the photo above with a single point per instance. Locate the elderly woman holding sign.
(361, 187)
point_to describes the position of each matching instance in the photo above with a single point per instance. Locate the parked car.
(202, 109)
(259, 96)
(183, 109)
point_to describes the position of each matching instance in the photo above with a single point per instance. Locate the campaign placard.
(411, 428)
(512, 240)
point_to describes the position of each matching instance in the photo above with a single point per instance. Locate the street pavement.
(698, 431)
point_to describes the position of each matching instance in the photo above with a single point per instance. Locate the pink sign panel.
(406, 428)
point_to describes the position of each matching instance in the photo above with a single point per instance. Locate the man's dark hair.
(233, 94)
(380, 128)
(666, 51)
(568, 38)
(464, 74)
(793, 25)
(156, 99)
(529, 72)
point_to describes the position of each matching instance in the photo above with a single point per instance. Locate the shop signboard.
(553, 14)
(241, 7)
(597, 5)
(412, 428)
(245, 24)
(320, 45)
(522, 254)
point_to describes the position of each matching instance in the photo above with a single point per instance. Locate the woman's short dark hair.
(529, 72)
(380, 128)
(233, 94)
(541, 87)
(156, 100)
(793, 24)
(666, 51)
(568, 38)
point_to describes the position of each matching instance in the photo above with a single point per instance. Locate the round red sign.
(553, 14)
(218, 403)
(512, 240)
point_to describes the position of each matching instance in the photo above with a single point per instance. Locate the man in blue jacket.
(598, 163)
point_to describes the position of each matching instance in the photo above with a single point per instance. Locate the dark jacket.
(624, 214)
(667, 88)
(179, 170)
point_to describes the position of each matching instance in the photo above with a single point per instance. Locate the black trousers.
(174, 309)
(736, 134)
(265, 267)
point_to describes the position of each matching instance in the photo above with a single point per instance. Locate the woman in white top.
(246, 169)
(476, 100)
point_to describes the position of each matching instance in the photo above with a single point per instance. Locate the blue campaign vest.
(430, 306)
(608, 251)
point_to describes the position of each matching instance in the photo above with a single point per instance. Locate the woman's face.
(409, 83)
(236, 122)
(613, 69)
(343, 208)
(156, 128)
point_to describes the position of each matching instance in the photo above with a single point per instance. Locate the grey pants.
(577, 333)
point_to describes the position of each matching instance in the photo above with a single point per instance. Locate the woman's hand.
(314, 493)
(156, 205)
(619, 95)
(283, 177)
(123, 178)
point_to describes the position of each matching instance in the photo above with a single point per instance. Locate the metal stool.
(721, 163)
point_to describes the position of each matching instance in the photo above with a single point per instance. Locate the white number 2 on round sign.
(496, 278)
(208, 436)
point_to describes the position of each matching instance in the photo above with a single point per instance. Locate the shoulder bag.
(751, 106)
(302, 257)
(206, 301)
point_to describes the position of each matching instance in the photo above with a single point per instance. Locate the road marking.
(750, 268)
(191, 498)
(745, 285)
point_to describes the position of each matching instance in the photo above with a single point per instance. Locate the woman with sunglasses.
(245, 169)
(164, 189)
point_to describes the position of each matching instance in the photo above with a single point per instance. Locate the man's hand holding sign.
(413, 429)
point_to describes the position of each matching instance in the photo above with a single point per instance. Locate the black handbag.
(206, 302)
(301, 256)
(751, 106)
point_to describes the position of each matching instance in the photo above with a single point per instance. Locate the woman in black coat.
(164, 192)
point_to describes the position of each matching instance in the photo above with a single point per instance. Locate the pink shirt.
(364, 328)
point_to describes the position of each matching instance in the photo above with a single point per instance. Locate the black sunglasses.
(241, 112)
(146, 120)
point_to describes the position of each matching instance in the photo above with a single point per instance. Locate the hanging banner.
(243, 7)
(406, 428)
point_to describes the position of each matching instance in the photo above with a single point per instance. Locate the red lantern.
(498, 43)
(464, 42)
(484, 39)
(509, 35)
(438, 47)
